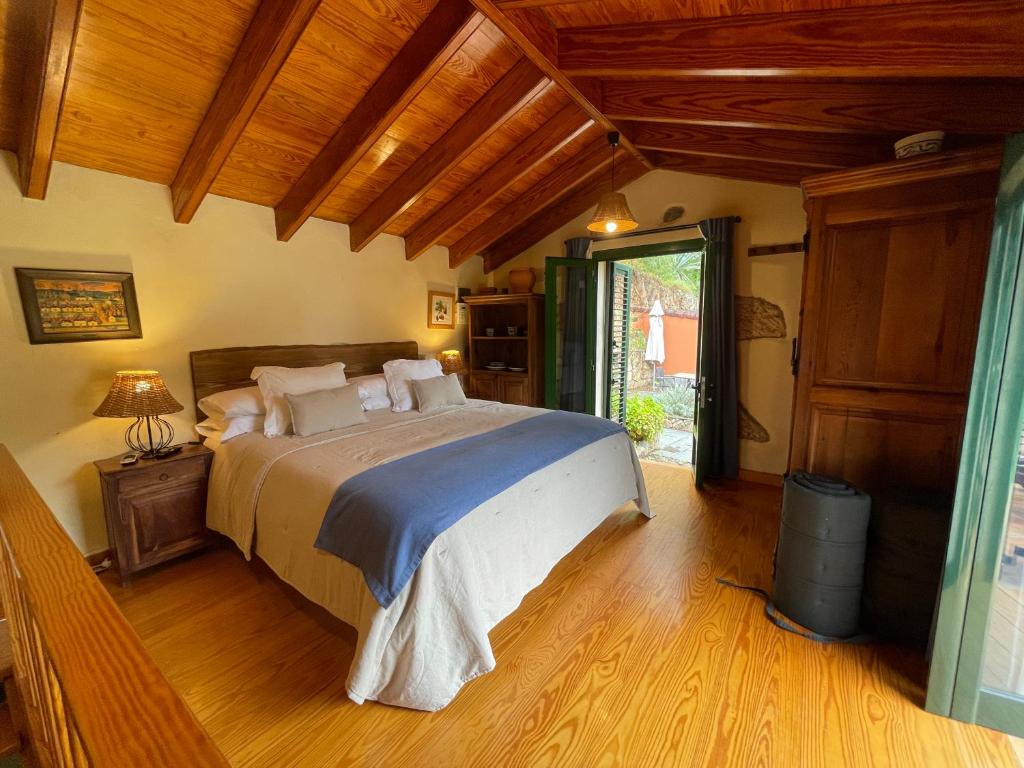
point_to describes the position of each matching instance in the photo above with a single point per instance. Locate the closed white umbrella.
(655, 352)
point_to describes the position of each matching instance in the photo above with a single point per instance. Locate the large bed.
(269, 496)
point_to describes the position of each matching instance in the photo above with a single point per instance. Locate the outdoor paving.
(674, 447)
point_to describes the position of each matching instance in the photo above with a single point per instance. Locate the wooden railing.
(90, 695)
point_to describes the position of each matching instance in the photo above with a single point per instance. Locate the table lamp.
(451, 361)
(141, 395)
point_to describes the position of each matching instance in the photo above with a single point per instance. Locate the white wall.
(223, 280)
(771, 214)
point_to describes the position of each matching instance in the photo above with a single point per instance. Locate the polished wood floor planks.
(630, 654)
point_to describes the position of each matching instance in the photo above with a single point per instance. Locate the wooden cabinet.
(893, 286)
(524, 349)
(155, 509)
(502, 387)
(892, 293)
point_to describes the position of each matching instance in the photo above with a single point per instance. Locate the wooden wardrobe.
(892, 291)
(893, 284)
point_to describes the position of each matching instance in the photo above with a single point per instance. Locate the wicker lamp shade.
(137, 393)
(143, 396)
(451, 361)
(612, 214)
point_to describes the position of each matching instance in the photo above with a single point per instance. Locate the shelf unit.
(525, 311)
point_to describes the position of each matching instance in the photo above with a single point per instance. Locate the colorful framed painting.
(440, 310)
(64, 305)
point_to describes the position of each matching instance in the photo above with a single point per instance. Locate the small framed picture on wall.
(440, 310)
(63, 305)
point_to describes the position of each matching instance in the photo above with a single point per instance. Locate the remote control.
(130, 458)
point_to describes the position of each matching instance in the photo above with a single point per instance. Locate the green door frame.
(694, 245)
(656, 249)
(551, 265)
(991, 443)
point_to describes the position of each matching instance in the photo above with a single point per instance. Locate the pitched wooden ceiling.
(479, 124)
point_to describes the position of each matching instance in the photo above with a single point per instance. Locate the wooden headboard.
(215, 370)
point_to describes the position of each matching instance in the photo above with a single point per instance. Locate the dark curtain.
(572, 395)
(717, 439)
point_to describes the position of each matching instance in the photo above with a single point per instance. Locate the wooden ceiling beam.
(51, 28)
(744, 169)
(550, 138)
(269, 40)
(441, 34)
(503, 4)
(558, 214)
(985, 106)
(509, 95)
(535, 44)
(822, 150)
(949, 38)
(591, 162)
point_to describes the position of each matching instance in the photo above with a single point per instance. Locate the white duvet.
(271, 495)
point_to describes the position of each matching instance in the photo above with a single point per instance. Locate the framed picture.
(64, 305)
(440, 309)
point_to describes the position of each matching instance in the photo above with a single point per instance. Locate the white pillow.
(277, 381)
(400, 372)
(225, 429)
(373, 391)
(246, 401)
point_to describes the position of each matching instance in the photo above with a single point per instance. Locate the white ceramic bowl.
(920, 144)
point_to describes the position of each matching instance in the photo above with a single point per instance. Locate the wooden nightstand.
(156, 508)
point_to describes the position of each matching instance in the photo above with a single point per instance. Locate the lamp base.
(149, 435)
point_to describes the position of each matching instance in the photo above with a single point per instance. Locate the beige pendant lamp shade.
(613, 214)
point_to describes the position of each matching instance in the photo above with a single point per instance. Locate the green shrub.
(677, 402)
(645, 419)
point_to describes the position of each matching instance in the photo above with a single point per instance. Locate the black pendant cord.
(614, 145)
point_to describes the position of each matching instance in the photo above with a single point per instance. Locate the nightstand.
(155, 508)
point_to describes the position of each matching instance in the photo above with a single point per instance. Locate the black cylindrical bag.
(819, 561)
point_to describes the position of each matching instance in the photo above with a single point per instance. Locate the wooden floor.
(628, 655)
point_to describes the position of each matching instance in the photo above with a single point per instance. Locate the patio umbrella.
(655, 352)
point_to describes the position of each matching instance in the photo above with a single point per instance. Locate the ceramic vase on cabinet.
(521, 280)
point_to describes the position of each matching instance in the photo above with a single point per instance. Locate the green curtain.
(573, 381)
(717, 436)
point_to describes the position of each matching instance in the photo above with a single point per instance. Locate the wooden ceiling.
(479, 124)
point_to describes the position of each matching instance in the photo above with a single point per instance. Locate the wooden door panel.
(166, 521)
(901, 303)
(485, 386)
(852, 307)
(878, 450)
(515, 391)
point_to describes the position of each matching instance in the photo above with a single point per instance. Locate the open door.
(702, 395)
(620, 281)
(977, 671)
(570, 305)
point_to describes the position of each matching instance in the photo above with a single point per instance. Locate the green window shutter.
(619, 321)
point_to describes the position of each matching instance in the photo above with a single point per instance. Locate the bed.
(269, 497)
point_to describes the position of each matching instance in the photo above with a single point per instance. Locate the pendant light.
(613, 214)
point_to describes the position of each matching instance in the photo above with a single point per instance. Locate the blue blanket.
(383, 520)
